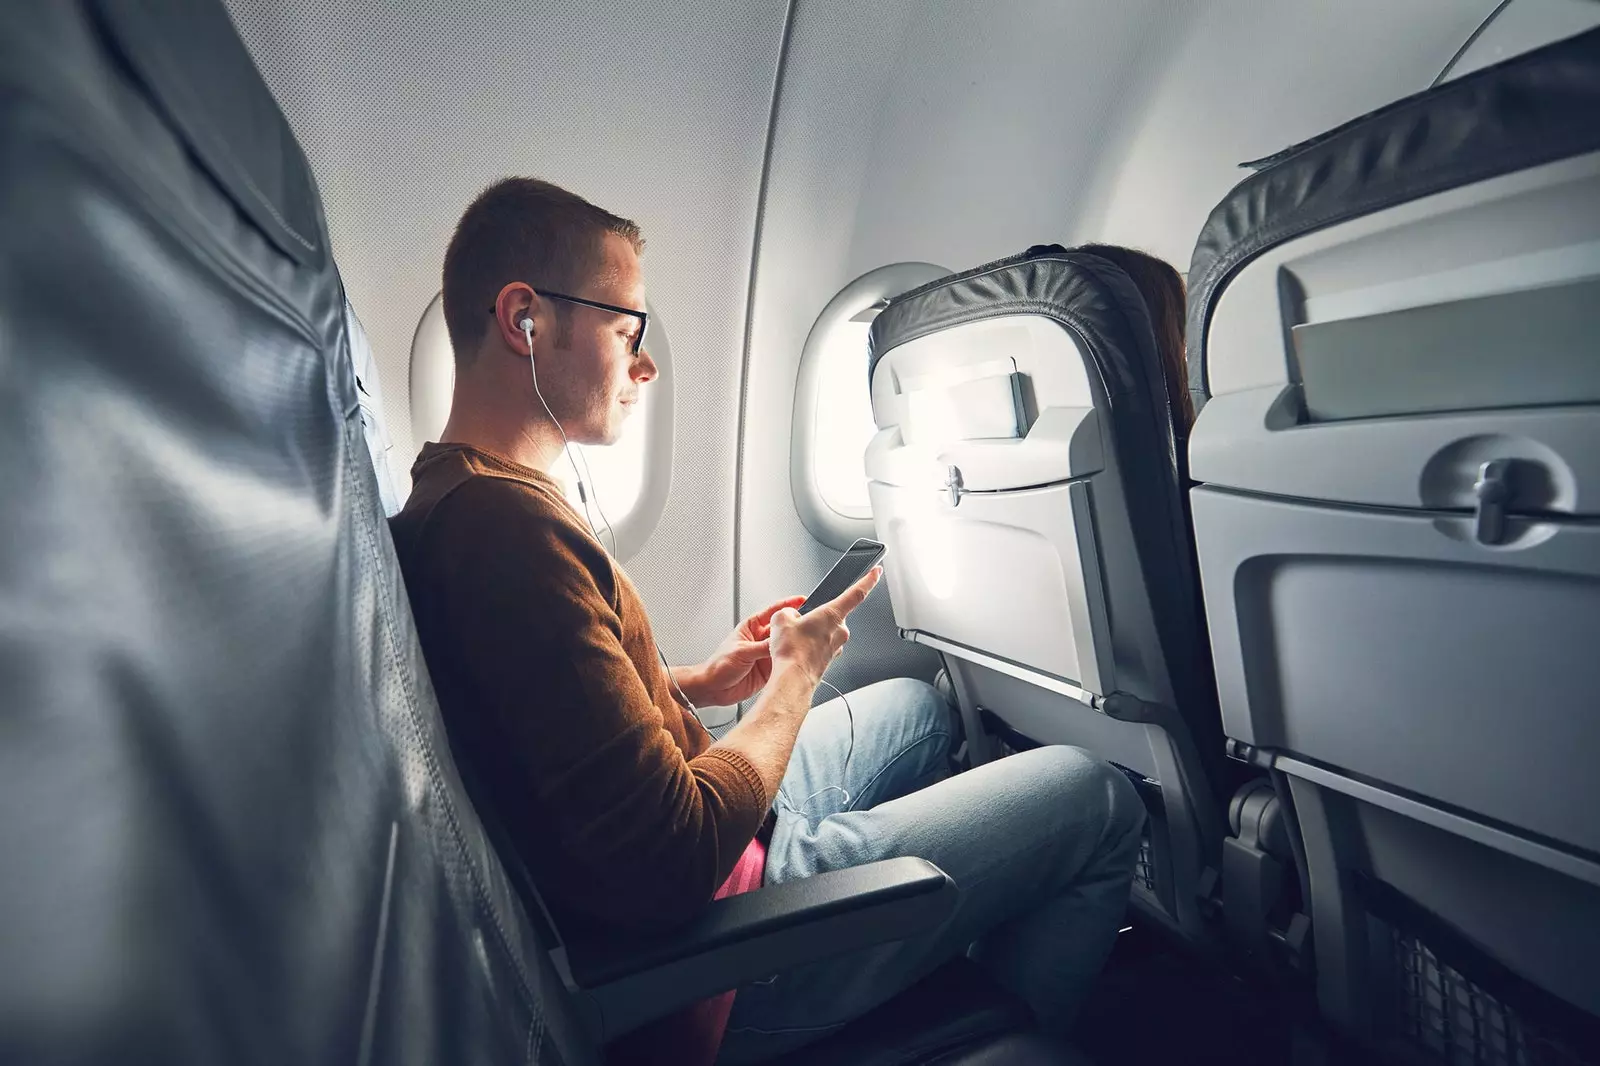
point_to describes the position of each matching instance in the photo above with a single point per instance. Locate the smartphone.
(850, 568)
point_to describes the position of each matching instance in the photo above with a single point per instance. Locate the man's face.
(598, 378)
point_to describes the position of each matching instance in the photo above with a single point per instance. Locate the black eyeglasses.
(642, 316)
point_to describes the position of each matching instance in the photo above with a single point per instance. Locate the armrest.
(624, 983)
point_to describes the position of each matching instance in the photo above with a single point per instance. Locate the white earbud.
(526, 326)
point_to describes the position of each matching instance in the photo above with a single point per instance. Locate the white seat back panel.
(1001, 572)
(1006, 401)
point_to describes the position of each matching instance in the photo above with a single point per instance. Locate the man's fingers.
(767, 612)
(763, 621)
(856, 594)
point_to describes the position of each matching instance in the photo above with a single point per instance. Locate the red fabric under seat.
(693, 1035)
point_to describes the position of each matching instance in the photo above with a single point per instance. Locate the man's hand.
(814, 640)
(740, 666)
(799, 648)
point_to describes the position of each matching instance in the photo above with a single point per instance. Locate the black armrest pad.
(757, 934)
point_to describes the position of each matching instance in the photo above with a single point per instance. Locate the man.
(625, 812)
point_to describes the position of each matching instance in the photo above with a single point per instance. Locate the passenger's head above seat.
(1162, 288)
(525, 230)
(544, 300)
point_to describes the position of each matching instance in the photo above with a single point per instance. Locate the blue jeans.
(1041, 846)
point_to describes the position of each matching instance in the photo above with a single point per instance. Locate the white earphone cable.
(566, 445)
(605, 522)
(583, 496)
(851, 750)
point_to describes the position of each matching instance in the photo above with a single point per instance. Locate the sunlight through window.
(844, 424)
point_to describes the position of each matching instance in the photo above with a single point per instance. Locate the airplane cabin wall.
(1250, 79)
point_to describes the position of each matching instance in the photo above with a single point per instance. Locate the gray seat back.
(1392, 335)
(1026, 479)
(233, 829)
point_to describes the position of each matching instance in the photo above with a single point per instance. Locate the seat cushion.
(955, 1008)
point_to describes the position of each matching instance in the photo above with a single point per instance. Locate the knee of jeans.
(1123, 808)
(1128, 814)
(919, 701)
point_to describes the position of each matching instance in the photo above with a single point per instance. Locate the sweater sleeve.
(528, 602)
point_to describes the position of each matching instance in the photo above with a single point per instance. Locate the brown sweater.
(553, 692)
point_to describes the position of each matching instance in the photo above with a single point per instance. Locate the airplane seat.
(1026, 480)
(234, 830)
(1392, 345)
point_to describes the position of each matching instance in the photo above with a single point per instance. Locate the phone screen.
(846, 572)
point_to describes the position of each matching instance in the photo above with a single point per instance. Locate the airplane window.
(833, 421)
(844, 425)
(627, 481)
(614, 474)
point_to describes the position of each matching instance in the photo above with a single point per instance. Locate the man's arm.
(765, 736)
(739, 668)
(630, 830)
(688, 682)
(801, 647)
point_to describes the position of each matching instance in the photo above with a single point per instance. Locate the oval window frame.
(827, 524)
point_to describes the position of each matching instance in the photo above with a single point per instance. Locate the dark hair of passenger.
(522, 229)
(1162, 288)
